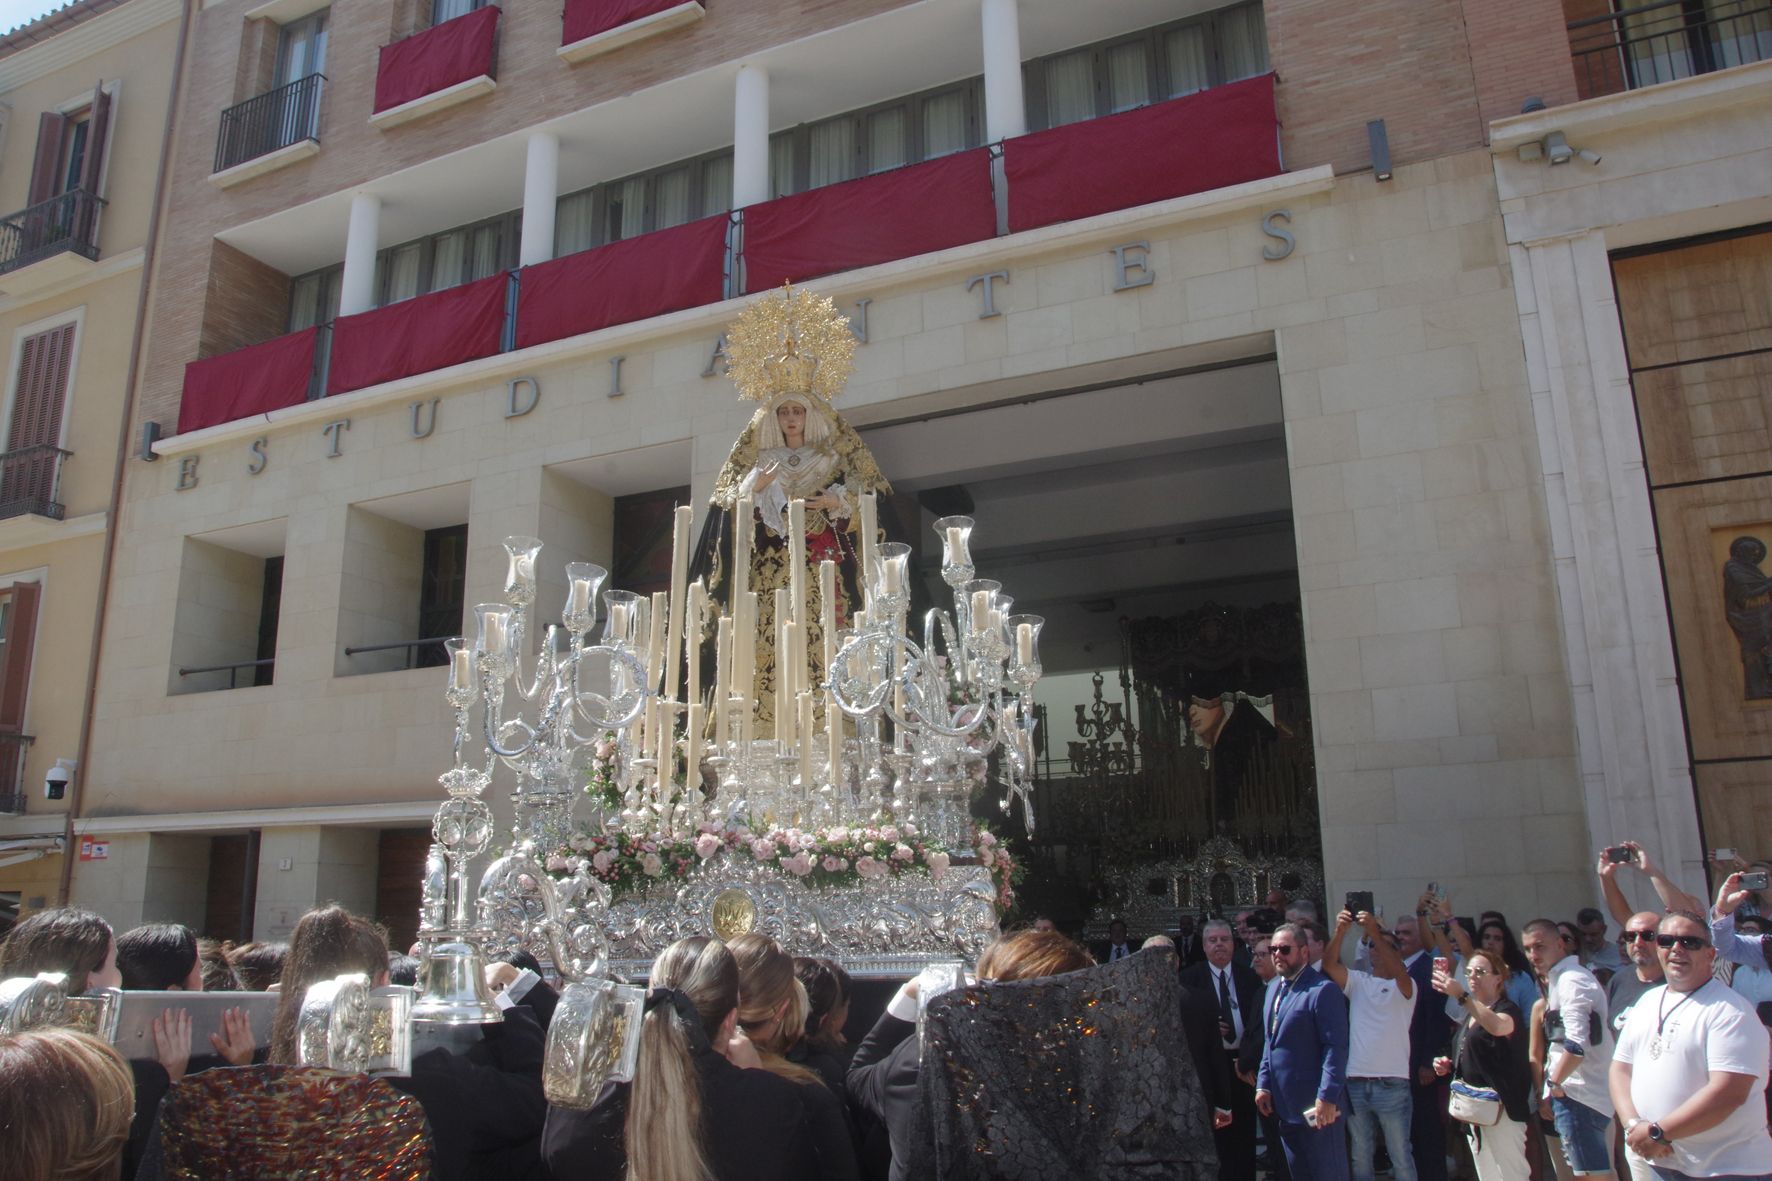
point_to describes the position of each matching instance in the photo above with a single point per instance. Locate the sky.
(14, 13)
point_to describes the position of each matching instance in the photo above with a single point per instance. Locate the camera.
(1358, 901)
(1621, 855)
(56, 780)
(1754, 881)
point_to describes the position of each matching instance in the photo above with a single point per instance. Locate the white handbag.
(1474, 1105)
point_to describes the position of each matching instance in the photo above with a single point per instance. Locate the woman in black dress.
(1491, 1052)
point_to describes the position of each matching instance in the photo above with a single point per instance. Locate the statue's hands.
(825, 501)
(765, 477)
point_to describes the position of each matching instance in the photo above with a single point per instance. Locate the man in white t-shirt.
(1380, 1004)
(1689, 1074)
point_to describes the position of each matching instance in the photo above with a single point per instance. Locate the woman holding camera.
(1489, 1059)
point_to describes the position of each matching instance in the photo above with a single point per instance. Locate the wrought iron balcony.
(1658, 42)
(13, 748)
(269, 122)
(30, 483)
(68, 222)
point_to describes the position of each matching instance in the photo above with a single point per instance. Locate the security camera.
(1557, 148)
(55, 783)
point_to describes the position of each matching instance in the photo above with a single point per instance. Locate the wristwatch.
(1657, 1135)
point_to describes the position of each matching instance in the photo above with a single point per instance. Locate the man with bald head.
(1627, 987)
(1689, 1074)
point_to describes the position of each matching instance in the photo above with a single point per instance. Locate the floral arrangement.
(829, 857)
(833, 856)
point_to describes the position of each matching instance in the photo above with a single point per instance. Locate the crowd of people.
(1318, 1050)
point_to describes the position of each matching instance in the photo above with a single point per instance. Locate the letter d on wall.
(524, 393)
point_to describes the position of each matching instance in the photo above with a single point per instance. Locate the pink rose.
(837, 836)
(834, 864)
(763, 849)
(800, 864)
(605, 749)
(649, 846)
(557, 864)
(938, 864)
(706, 845)
(796, 840)
(987, 838)
(910, 830)
(602, 860)
(867, 867)
(986, 856)
(651, 866)
(889, 833)
(902, 853)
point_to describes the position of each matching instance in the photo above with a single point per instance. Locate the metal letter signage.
(430, 422)
(256, 464)
(187, 474)
(859, 324)
(1126, 262)
(515, 384)
(615, 390)
(337, 430)
(990, 302)
(1278, 233)
(718, 359)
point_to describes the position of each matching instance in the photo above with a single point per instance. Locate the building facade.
(87, 92)
(1196, 307)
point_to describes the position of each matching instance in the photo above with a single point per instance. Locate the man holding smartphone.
(1303, 1075)
(1380, 1005)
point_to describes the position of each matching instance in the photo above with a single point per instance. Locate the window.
(456, 256)
(448, 10)
(30, 470)
(270, 606)
(679, 192)
(874, 139)
(1149, 66)
(230, 590)
(301, 48)
(70, 150)
(642, 539)
(18, 628)
(313, 297)
(442, 590)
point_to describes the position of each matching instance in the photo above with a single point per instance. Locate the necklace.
(1663, 1013)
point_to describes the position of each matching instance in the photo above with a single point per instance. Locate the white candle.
(743, 529)
(496, 638)
(1024, 643)
(806, 739)
(784, 698)
(679, 581)
(698, 597)
(692, 746)
(654, 661)
(578, 598)
(981, 610)
(894, 578)
(827, 611)
(744, 645)
(956, 542)
(797, 550)
(461, 669)
(870, 529)
(722, 679)
(833, 718)
(526, 567)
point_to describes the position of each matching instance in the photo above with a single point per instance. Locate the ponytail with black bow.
(694, 988)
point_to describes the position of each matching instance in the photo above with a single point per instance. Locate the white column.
(750, 137)
(357, 288)
(1005, 111)
(541, 191)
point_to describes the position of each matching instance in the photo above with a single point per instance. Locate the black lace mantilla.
(1083, 1075)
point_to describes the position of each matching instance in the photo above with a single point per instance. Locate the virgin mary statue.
(792, 354)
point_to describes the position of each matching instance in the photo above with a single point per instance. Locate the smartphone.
(1722, 854)
(1754, 881)
(1358, 901)
(1443, 965)
(1434, 889)
(1621, 854)
(1310, 1116)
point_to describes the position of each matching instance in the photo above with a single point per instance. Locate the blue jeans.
(1375, 1103)
(1675, 1175)
(1586, 1135)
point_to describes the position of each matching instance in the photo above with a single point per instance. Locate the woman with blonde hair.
(66, 1100)
(1492, 1053)
(699, 1108)
(772, 1008)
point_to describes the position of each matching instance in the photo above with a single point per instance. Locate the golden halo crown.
(795, 342)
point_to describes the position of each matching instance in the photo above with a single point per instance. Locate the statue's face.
(791, 417)
(1203, 715)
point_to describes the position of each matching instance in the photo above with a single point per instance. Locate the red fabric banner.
(253, 380)
(914, 210)
(587, 18)
(437, 58)
(418, 335)
(1218, 137)
(664, 271)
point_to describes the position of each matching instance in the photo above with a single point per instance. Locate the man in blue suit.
(1303, 1075)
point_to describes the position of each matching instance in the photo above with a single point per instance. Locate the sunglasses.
(1689, 942)
(1639, 937)
(1477, 974)
(1281, 949)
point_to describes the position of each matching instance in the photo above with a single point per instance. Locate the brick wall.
(1434, 70)
(244, 302)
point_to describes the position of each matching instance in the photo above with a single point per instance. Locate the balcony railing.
(1650, 43)
(273, 120)
(30, 483)
(13, 748)
(68, 222)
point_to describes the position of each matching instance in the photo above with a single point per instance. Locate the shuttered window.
(20, 627)
(39, 396)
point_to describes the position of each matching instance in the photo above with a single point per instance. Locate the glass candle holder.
(891, 582)
(1024, 645)
(979, 599)
(583, 581)
(956, 549)
(520, 573)
(621, 624)
(492, 636)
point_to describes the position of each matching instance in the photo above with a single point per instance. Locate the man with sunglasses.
(1628, 987)
(1303, 1074)
(1689, 1074)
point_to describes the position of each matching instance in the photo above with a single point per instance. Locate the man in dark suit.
(1117, 946)
(1430, 1031)
(1234, 994)
(1188, 943)
(1303, 1076)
